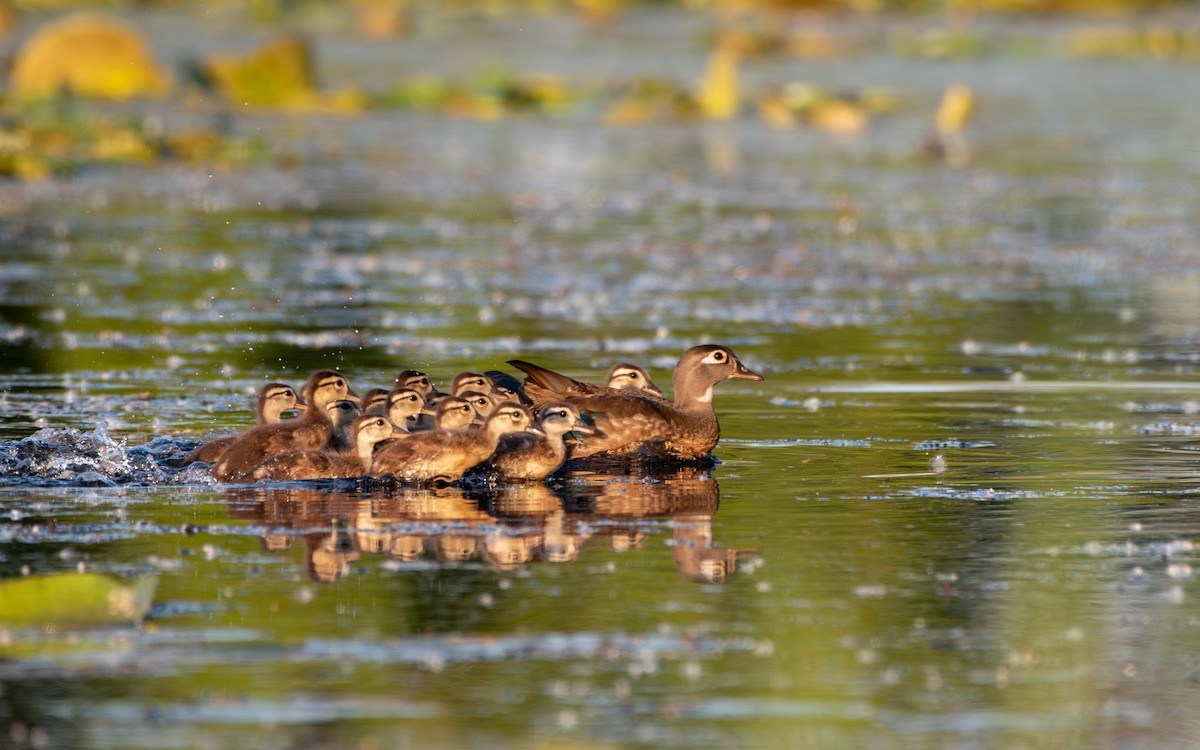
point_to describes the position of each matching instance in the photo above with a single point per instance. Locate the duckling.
(446, 455)
(419, 382)
(483, 403)
(526, 455)
(312, 431)
(633, 424)
(450, 413)
(403, 406)
(374, 401)
(342, 414)
(470, 381)
(365, 432)
(273, 400)
(627, 376)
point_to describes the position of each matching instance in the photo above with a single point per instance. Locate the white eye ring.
(716, 358)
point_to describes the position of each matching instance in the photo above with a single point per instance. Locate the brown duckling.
(311, 432)
(374, 401)
(631, 423)
(403, 407)
(626, 376)
(273, 400)
(449, 413)
(365, 432)
(526, 455)
(446, 455)
(342, 414)
(419, 382)
(470, 381)
(483, 403)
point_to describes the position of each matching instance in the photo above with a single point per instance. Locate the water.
(960, 511)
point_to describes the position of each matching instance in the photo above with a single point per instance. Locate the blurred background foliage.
(69, 58)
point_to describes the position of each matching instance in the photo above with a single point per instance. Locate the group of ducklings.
(516, 430)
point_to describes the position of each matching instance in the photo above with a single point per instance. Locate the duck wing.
(546, 385)
(626, 421)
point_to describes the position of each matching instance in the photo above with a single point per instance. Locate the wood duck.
(311, 432)
(273, 400)
(483, 403)
(403, 407)
(633, 424)
(470, 381)
(528, 456)
(374, 401)
(419, 382)
(365, 432)
(626, 376)
(449, 413)
(446, 454)
(508, 387)
(342, 414)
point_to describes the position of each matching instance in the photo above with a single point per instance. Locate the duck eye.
(719, 356)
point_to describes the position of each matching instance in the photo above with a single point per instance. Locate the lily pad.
(74, 600)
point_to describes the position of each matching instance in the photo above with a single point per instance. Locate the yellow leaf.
(955, 109)
(719, 96)
(88, 56)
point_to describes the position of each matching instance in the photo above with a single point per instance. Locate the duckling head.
(559, 418)
(482, 403)
(403, 406)
(416, 380)
(453, 413)
(509, 416)
(274, 400)
(324, 387)
(369, 429)
(624, 376)
(470, 381)
(341, 412)
(374, 401)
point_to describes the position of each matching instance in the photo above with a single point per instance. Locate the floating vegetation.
(74, 600)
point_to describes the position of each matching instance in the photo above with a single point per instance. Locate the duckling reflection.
(327, 557)
(502, 527)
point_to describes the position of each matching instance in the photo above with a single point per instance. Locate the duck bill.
(352, 396)
(535, 430)
(580, 428)
(300, 406)
(745, 373)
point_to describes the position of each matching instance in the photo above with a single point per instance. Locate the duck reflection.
(506, 527)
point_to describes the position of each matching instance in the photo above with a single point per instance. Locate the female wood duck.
(311, 432)
(445, 455)
(273, 400)
(528, 456)
(365, 432)
(632, 424)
